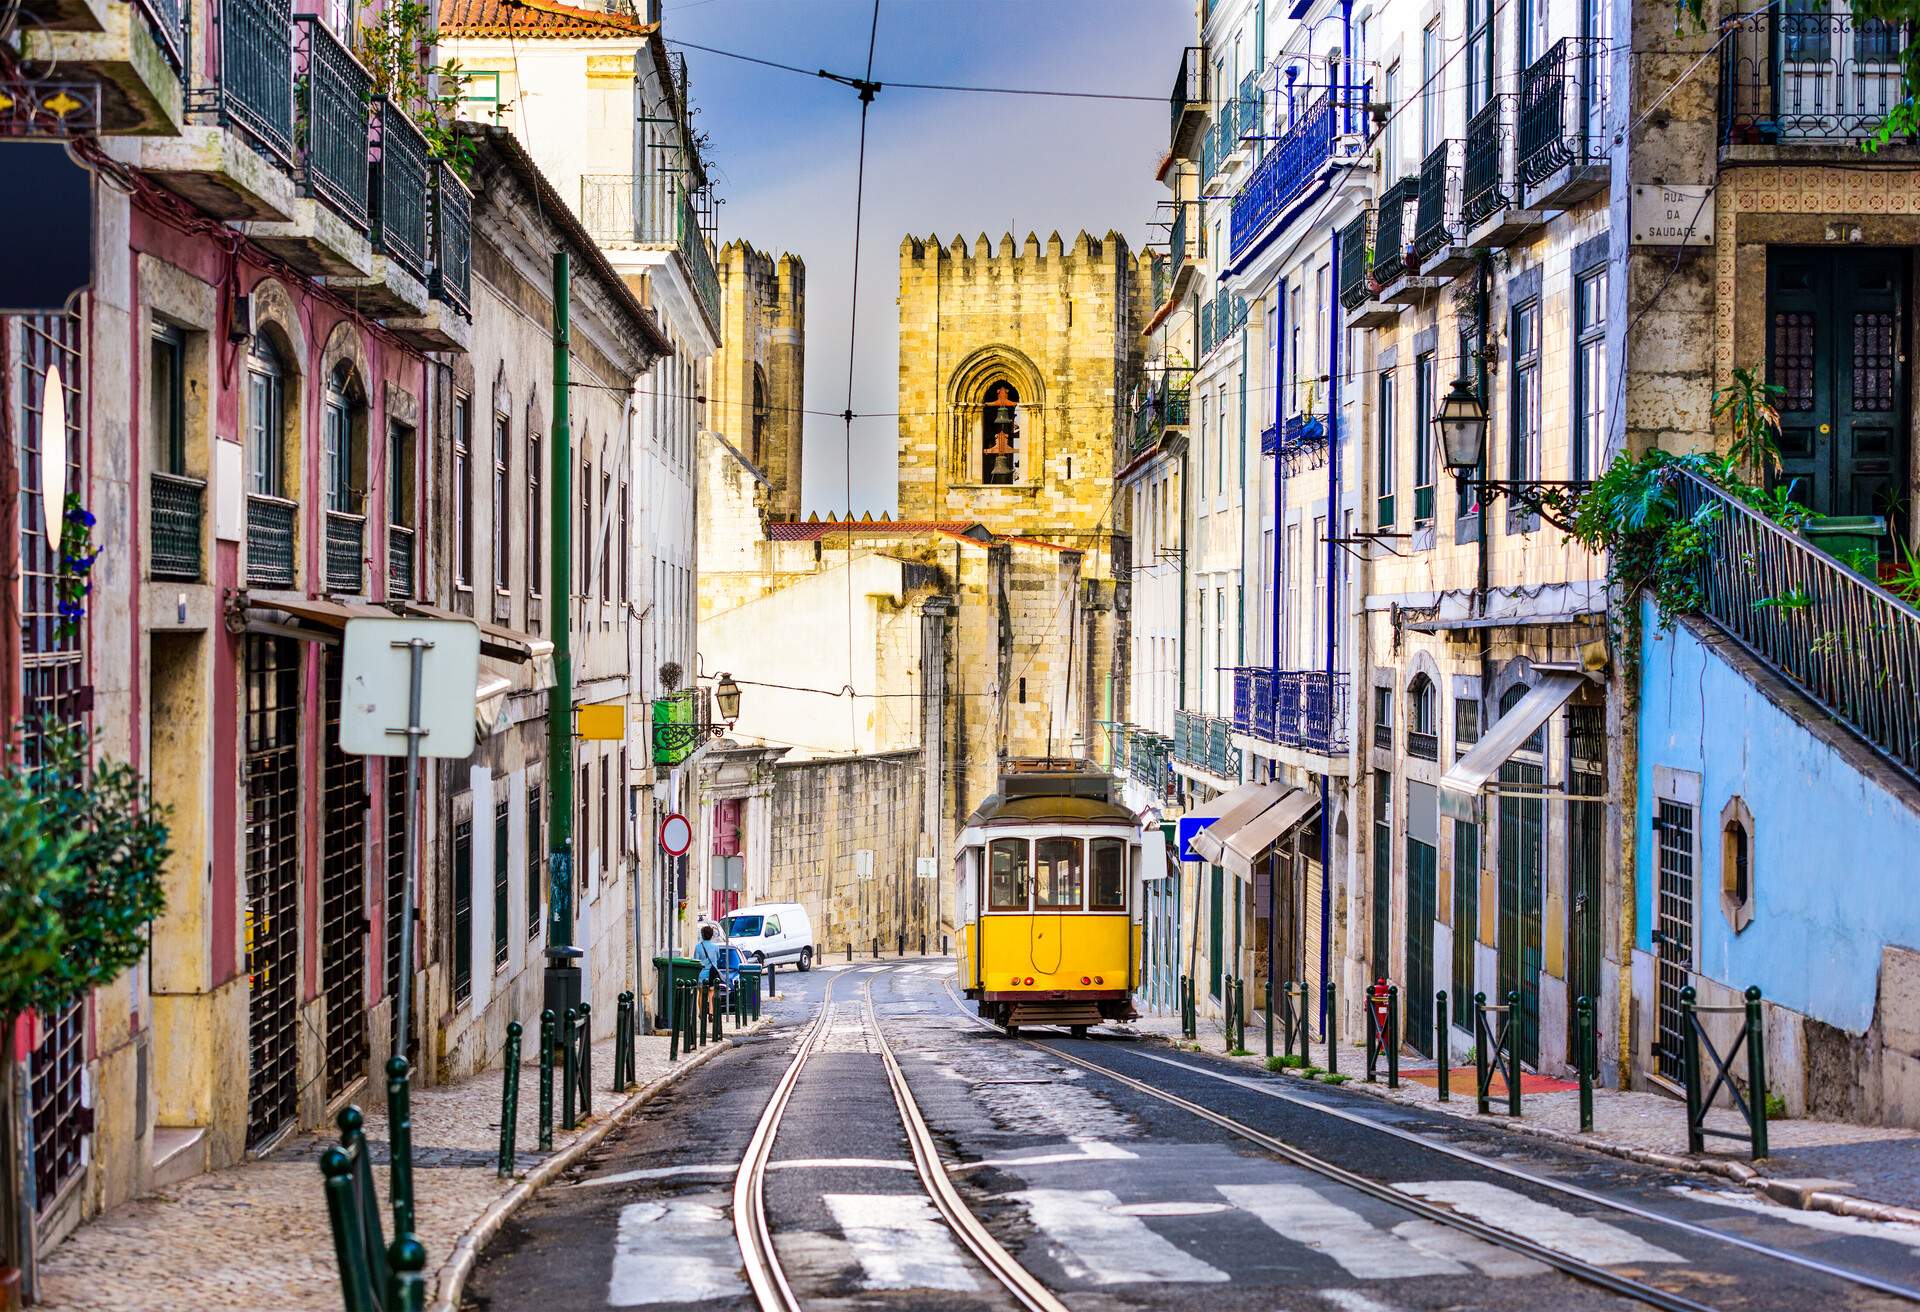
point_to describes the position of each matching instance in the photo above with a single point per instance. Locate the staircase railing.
(1846, 642)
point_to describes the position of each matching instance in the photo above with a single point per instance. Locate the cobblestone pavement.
(1873, 1164)
(254, 1237)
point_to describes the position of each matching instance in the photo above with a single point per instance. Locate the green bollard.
(400, 1144)
(569, 1067)
(1513, 1052)
(356, 1282)
(1757, 1071)
(406, 1281)
(372, 1245)
(1392, 1037)
(719, 1010)
(584, 1037)
(1583, 1017)
(509, 1101)
(773, 979)
(1373, 1035)
(546, 1080)
(1481, 1035)
(1440, 1042)
(1328, 1001)
(1267, 987)
(1690, 1076)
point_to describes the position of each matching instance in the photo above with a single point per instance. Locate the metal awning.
(1271, 826)
(1460, 786)
(1191, 825)
(490, 703)
(1210, 843)
(500, 643)
(309, 619)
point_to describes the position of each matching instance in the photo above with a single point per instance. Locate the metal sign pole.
(417, 649)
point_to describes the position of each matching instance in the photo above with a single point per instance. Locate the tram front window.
(1109, 874)
(1007, 875)
(1057, 862)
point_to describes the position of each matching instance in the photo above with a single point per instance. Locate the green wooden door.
(1216, 935)
(1423, 900)
(1522, 820)
(1836, 347)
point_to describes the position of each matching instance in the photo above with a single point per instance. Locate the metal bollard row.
(509, 1100)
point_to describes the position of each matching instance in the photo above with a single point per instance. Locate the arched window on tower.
(760, 409)
(1000, 433)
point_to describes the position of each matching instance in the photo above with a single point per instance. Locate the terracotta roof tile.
(536, 18)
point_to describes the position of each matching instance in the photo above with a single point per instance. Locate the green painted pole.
(1584, 1014)
(356, 1286)
(1392, 1037)
(1269, 989)
(509, 1100)
(1513, 1052)
(406, 1279)
(1440, 1037)
(569, 1068)
(546, 1080)
(584, 1037)
(1757, 1071)
(562, 985)
(1482, 1032)
(1327, 1000)
(1690, 1060)
(400, 1144)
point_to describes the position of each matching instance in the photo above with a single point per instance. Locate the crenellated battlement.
(1028, 259)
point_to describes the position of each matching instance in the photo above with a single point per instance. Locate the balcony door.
(1837, 347)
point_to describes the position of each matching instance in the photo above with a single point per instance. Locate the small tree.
(82, 848)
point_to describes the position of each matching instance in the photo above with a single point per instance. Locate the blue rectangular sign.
(1187, 827)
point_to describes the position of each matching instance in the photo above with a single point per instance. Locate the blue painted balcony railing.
(1302, 439)
(1270, 439)
(1306, 709)
(1331, 130)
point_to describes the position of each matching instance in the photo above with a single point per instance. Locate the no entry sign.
(676, 835)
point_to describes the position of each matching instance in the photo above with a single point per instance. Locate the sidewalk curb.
(1738, 1172)
(450, 1279)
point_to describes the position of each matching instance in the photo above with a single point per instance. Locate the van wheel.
(1077, 1031)
(1013, 1031)
(806, 958)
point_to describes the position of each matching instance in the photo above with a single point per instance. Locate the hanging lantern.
(727, 694)
(1462, 420)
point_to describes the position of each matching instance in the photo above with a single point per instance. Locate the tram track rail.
(766, 1277)
(1623, 1286)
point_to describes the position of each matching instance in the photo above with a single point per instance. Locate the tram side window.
(1109, 861)
(1057, 862)
(1007, 875)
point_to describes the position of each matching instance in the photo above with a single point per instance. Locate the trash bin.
(1853, 540)
(666, 972)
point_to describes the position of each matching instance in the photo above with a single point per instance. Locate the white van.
(779, 932)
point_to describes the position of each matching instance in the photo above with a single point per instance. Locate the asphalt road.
(1116, 1199)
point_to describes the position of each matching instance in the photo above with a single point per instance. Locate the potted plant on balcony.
(397, 46)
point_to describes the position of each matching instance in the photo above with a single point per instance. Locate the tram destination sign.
(1671, 216)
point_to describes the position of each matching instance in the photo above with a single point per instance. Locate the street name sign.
(1670, 216)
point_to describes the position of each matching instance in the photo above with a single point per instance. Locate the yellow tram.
(1048, 875)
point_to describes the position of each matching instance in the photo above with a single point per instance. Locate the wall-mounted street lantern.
(1462, 421)
(726, 694)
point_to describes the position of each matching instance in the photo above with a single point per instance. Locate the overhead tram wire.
(862, 84)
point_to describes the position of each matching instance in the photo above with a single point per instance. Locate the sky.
(786, 149)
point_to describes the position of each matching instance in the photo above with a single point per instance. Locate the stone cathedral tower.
(1014, 375)
(757, 386)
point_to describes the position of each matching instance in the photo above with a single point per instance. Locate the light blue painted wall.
(1836, 859)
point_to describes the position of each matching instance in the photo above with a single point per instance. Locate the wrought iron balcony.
(652, 209)
(402, 176)
(1356, 245)
(399, 561)
(452, 240)
(1300, 441)
(1147, 757)
(1188, 101)
(332, 126)
(168, 21)
(1310, 711)
(1383, 735)
(254, 90)
(175, 508)
(1160, 283)
(346, 552)
(1437, 224)
(1205, 742)
(1392, 234)
(682, 721)
(1331, 130)
(1849, 644)
(270, 541)
(1563, 112)
(1426, 746)
(1486, 186)
(1206, 328)
(1178, 262)
(1162, 404)
(1808, 78)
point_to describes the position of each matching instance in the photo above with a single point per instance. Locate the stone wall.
(824, 811)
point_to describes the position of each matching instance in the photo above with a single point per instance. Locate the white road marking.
(1298, 1213)
(1352, 1300)
(1096, 1245)
(901, 1242)
(1564, 1232)
(1491, 1260)
(654, 1173)
(1093, 1150)
(1169, 1209)
(676, 1252)
(1859, 1227)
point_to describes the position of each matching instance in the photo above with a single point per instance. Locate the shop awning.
(1257, 837)
(500, 643)
(1210, 844)
(310, 619)
(490, 703)
(1194, 822)
(1460, 786)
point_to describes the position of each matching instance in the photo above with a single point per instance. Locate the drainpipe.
(1279, 474)
(1333, 531)
(1240, 641)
